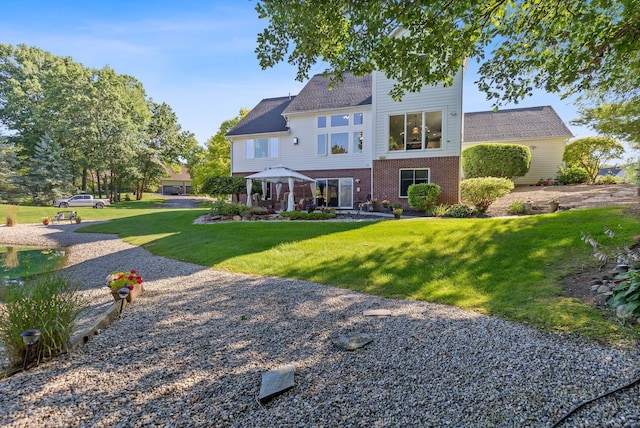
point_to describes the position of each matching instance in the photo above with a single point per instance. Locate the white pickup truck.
(81, 201)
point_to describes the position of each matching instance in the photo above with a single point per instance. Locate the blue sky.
(197, 56)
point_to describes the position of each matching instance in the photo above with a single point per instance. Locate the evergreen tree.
(50, 173)
(10, 181)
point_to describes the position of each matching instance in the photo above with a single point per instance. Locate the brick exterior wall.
(363, 175)
(443, 171)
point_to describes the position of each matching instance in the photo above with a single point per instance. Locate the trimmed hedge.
(573, 175)
(482, 192)
(423, 196)
(496, 160)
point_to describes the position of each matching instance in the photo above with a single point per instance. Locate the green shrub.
(517, 207)
(423, 196)
(608, 179)
(48, 303)
(303, 215)
(439, 211)
(459, 211)
(225, 208)
(496, 160)
(573, 175)
(627, 292)
(482, 192)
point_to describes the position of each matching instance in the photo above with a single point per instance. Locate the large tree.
(561, 46)
(621, 120)
(215, 161)
(591, 153)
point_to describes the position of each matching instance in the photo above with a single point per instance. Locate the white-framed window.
(340, 134)
(262, 148)
(322, 144)
(339, 120)
(340, 143)
(415, 130)
(358, 141)
(412, 176)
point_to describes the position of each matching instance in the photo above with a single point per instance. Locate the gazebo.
(278, 174)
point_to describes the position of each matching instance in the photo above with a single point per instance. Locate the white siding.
(303, 156)
(431, 98)
(546, 158)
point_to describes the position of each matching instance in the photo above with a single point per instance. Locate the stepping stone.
(353, 342)
(377, 313)
(275, 382)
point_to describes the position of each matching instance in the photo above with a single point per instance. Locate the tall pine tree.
(50, 177)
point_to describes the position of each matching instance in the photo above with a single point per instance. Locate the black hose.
(579, 406)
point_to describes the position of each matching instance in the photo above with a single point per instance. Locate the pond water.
(17, 263)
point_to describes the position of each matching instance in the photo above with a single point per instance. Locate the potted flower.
(78, 218)
(375, 205)
(554, 204)
(397, 212)
(130, 280)
(46, 220)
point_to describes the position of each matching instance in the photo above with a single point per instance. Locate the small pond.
(17, 263)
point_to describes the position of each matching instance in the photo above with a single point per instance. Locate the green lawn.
(505, 267)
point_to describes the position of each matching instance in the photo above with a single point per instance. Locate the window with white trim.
(322, 144)
(262, 148)
(340, 134)
(415, 131)
(412, 176)
(340, 143)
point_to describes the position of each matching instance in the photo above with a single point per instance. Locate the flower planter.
(553, 206)
(137, 290)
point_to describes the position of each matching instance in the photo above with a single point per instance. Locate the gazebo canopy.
(278, 174)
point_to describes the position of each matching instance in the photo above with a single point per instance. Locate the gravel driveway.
(191, 350)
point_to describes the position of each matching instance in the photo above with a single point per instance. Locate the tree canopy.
(621, 120)
(98, 122)
(591, 153)
(215, 159)
(564, 47)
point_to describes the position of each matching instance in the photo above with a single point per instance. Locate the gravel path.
(191, 350)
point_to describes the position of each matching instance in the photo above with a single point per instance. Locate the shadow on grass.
(507, 267)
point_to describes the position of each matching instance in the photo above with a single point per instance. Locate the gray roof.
(264, 118)
(353, 91)
(514, 124)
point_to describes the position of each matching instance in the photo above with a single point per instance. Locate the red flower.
(130, 286)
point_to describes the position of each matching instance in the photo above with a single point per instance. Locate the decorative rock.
(353, 342)
(595, 287)
(377, 313)
(275, 382)
(601, 299)
(621, 312)
(596, 282)
(603, 289)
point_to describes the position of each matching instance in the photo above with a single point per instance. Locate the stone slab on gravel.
(377, 313)
(276, 382)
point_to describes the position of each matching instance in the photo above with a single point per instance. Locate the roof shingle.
(514, 124)
(263, 118)
(353, 91)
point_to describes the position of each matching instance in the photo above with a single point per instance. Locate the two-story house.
(355, 141)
